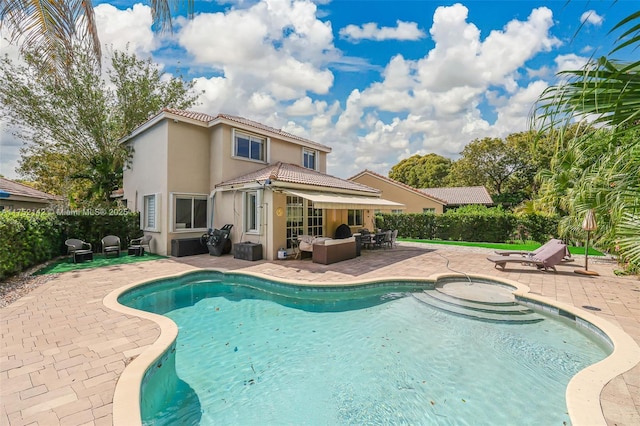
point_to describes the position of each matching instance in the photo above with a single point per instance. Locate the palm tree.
(53, 26)
(605, 93)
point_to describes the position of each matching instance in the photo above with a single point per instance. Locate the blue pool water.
(252, 352)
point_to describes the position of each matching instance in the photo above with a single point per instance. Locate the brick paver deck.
(62, 350)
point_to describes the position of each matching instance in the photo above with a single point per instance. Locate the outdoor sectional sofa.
(334, 250)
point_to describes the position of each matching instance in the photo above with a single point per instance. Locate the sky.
(378, 80)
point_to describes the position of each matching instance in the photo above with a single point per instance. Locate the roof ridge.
(402, 184)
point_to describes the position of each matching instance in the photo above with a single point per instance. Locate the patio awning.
(326, 200)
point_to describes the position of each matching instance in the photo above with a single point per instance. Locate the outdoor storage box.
(187, 247)
(247, 251)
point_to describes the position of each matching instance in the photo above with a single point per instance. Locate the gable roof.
(207, 120)
(399, 184)
(286, 173)
(16, 189)
(461, 195)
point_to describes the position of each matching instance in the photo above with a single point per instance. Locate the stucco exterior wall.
(414, 202)
(146, 175)
(188, 151)
(228, 208)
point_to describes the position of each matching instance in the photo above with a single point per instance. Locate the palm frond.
(51, 28)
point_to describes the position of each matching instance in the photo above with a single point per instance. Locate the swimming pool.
(369, 353)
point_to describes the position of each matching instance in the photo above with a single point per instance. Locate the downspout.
(212, 197)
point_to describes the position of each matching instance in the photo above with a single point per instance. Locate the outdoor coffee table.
(136, 251)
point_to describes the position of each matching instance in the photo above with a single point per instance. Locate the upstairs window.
(249, 146)
(428, 210)
(309, 158)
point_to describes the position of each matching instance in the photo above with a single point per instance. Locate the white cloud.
(302, 106)
(130, 28)
(592, 18)
(570, 62)
(444, 93)
(279, 47)
(371, 31)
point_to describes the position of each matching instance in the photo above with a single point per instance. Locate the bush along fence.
(30, 238)
(473, 224)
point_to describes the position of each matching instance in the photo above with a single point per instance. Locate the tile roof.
(199, 116)
(461, 195)
(206, 118)
(18, 189)
(291, 173)
(395, 182)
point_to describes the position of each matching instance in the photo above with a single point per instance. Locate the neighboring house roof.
(207, 120)
(461, 195)
(15, 189)
(399, 184)
(288, 173)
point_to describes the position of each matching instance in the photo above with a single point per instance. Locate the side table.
(136, 251)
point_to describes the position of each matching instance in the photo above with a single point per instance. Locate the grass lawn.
(528, 246)
(66, 264)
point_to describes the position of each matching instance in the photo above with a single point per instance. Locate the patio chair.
(378, 239)
(386, 242)
(545, 259)
(567, 256)
(138, 245)
(110, 245)
(79, 250)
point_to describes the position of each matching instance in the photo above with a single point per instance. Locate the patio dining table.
(373, 240)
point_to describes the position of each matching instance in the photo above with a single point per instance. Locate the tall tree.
(427, 171)
(54, 28)
(77, 122)
(503, 166)
(605, 92)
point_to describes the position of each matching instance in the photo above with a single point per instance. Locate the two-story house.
(192, 171)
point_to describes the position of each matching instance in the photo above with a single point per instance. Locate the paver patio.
(62, 350)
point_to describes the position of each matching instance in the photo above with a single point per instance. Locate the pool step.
(507, 308)
(482, 311)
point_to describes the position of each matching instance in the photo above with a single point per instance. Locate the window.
(295, 219)
(355, 217)
(299, 212)
(249, 146)
(428, 210)
(251, 212)
(150, 213)
(309, 158)
(314, 220)
(190, 212)
(396, 211)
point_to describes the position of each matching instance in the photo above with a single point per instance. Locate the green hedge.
(30, 238)
(26, 239)
(473, 224)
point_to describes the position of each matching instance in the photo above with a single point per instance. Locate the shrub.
(26, 239)
(30, 238)
(471, 223)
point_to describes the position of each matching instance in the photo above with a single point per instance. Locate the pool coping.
(582, 394)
